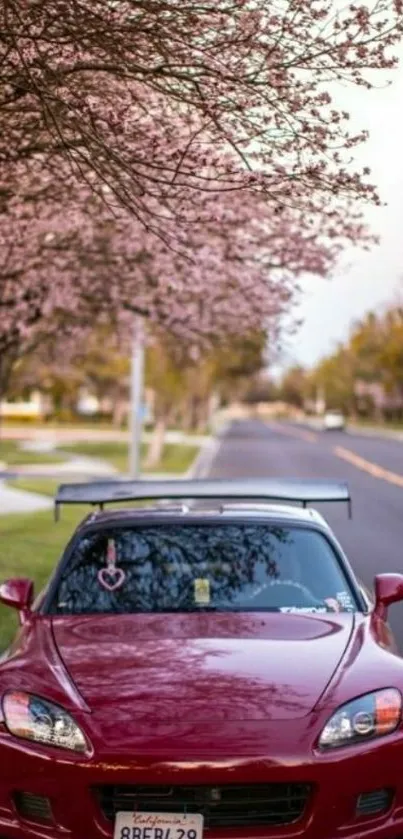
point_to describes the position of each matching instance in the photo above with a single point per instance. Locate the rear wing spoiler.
(305, 492)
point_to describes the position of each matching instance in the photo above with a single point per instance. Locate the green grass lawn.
(44, 486)
(175, 457)
(30, 546)
(12, 455)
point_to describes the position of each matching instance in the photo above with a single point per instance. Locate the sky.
(363, 280)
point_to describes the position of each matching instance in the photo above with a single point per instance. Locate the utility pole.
(136, 400)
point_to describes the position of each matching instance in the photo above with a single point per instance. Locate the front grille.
(33, 807)
(230, 805)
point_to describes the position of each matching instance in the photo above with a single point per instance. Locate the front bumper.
(337, 781)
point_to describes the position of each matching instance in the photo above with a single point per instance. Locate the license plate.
(158, 826)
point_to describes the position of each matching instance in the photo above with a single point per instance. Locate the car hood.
(203, 666)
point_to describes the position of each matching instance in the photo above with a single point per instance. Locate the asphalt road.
(373, 468)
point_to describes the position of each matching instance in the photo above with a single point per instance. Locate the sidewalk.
(74, 467)
(55, 435)
(87, 469)
(19, 501)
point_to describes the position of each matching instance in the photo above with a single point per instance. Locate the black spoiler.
(295, 490)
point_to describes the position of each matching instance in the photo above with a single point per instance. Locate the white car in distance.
(333, 421)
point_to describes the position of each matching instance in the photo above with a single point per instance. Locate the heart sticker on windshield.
(111, 577)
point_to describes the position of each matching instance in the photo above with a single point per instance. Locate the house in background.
(37, 407)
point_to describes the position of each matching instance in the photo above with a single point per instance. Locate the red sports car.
(201, 669)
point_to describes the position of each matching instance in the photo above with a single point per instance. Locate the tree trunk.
(187, 415)
(156, 446)
(202, 415)
(119, 412)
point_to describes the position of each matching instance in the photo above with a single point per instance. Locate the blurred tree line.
(363, 377)
(185, 389)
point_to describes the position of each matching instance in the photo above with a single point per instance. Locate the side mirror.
(19, 594)
(388, 590)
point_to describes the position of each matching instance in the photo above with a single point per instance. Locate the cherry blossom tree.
(67, 267)
(160, 99)
(179, 161)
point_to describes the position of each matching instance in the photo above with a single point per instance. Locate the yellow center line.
(366, 466)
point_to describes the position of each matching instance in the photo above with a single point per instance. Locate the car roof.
(228, 512)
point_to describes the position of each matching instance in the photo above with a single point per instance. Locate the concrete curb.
(205, 459)
(373, 431)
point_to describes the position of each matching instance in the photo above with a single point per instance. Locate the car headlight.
(43, 722)
(365, 718)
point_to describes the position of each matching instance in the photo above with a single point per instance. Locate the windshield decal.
(345, 600)
(111, 577)
(304, 610)
(201, 591)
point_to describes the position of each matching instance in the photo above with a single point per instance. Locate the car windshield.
(196, 567)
